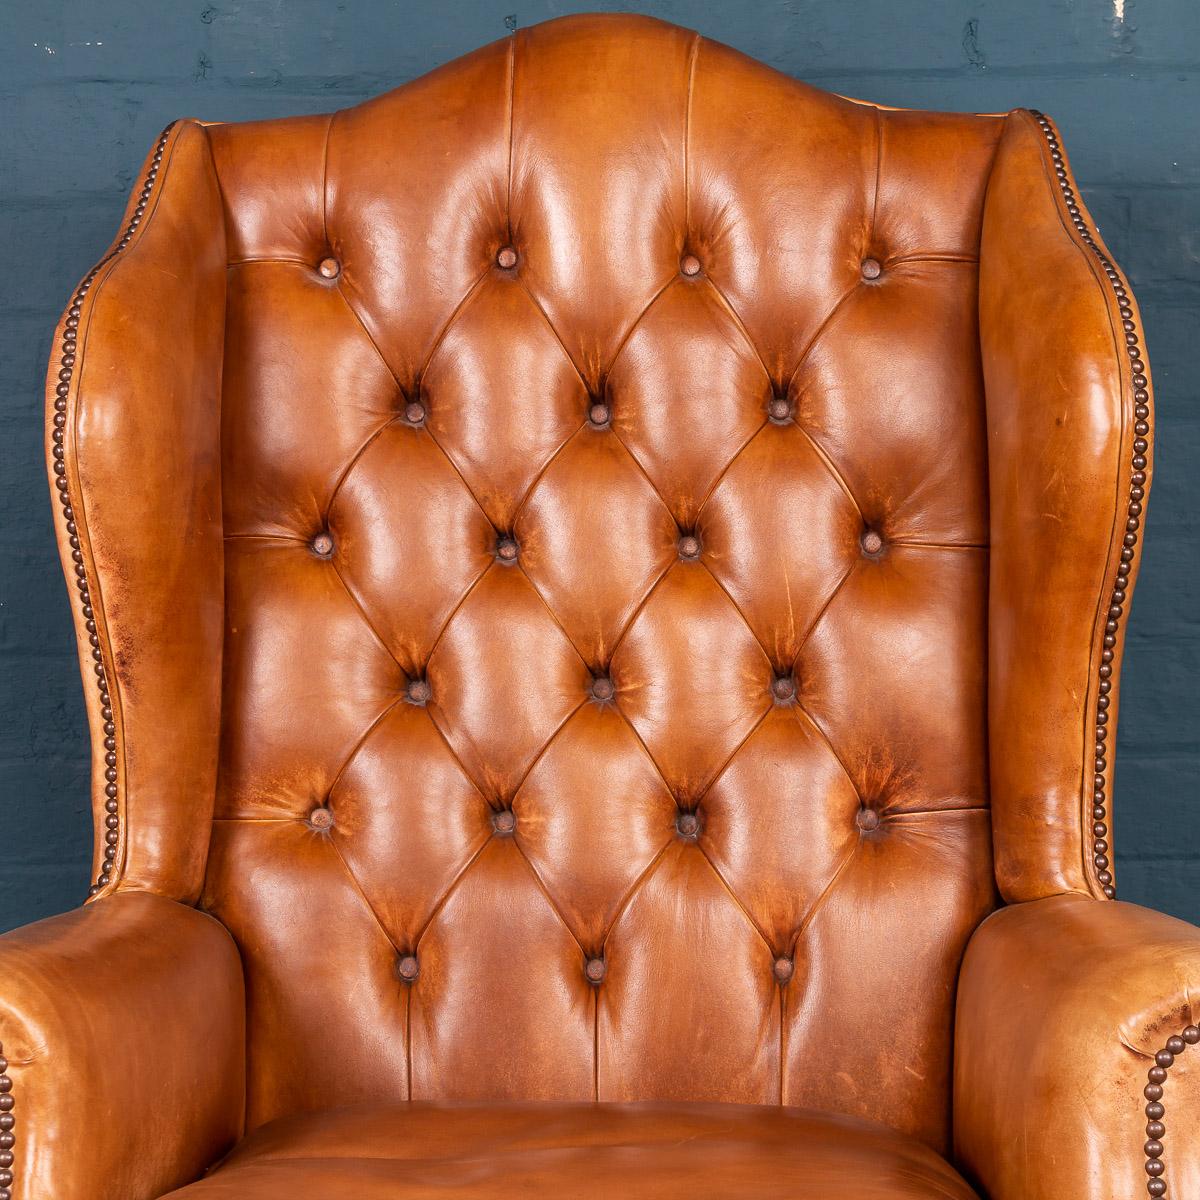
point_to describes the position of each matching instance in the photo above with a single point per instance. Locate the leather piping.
(1156, 1185)
(66, 374)
(1101, 864)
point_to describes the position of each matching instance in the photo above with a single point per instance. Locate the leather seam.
(638, 609)
(818, 333)
(634, 888)
(588, 390)
(737, 608)
(268, 260)
(451, 887)
(812, 627)
(436, 345)
(583, 658)
(727, 304)
(362, 612)
(358, 889)
(512, 104)
(612, 363)
(537, 758)
(641, 741)
(693, 55)
(325, 179)
(637, 462)
(541, 473)
(833, 469)
(353, 462)
(749, 917)
(878, 174)
(376, 721)
(949, 257)
(820, 730)
(724, 471)
(533, 587)
(548, 896)
(819, 903)
(441, 633)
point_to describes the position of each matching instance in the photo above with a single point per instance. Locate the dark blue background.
(86, 87)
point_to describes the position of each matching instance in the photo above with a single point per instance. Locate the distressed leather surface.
(576, 547)
(123, 1032)
(1063, 1005)
(1062, 430)
(841, 829)
(586, 1151)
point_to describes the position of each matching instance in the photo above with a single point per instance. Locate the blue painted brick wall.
(85, 87)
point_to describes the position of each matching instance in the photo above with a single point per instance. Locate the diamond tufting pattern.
(694, 691)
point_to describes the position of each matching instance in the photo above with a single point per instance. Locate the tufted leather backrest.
(550, 579)
(605, 505)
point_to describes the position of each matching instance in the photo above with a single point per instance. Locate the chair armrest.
(1063, 1005)
(123, 1032)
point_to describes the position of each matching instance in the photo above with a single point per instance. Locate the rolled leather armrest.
(1063, 1005)
(122, 1026)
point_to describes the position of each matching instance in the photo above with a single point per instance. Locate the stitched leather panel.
(612, 611)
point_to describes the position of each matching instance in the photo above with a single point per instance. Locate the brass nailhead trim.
(112, 822)
(7, 1121)
(1133, 511)
(1156, 1186)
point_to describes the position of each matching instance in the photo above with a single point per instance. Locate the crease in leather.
(414, 192)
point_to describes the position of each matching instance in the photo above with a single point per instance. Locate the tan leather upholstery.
(123, 1041)
(1063, 1006)
(585, 1151)
(147, 322)
(1068, 432)
(860, 789)
(566, 597)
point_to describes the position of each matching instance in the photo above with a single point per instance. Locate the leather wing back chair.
(600, 578)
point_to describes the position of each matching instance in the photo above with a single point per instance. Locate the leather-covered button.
(867, 819)
(417, 692)
(871, 268)
(689, 264)
(322, 545)
(872, 543)
(414, 412)
(408, 968)
(330, 268)
(595, 970)
(507, 550)
(602, 688)
(783, 688)
(784, 969)
(321, 818)
(504, 822)
(779, 408)
(598, 414)
(688, 824)
(689, 546)
(506, 258)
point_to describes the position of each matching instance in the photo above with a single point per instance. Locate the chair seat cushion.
(651, 1151)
